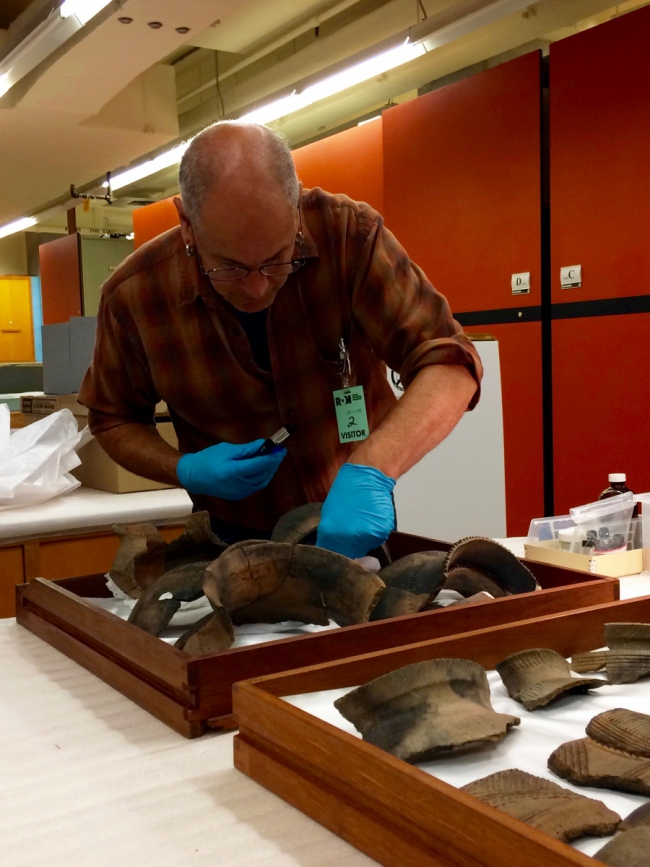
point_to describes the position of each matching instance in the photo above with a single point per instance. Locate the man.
(249, 316)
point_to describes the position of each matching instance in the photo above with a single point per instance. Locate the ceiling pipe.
(305, 27)
(432, 33)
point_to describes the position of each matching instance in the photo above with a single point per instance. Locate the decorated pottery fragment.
(536, 677)
(493, 562)
(594, 660)
(629, 651)
(622, 729)
(426, 708)
(469, 582)
(411, 583)
(140, 559)
(540, 803)
(298, 525)
(161, 601)
(587, 763)
(349, 590)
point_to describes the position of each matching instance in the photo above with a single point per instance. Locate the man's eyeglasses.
(276, 269)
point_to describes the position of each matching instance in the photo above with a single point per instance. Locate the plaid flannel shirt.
(163, 332)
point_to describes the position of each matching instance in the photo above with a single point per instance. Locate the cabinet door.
(600, 166)
(348, 162)
(16, 327)
(520, 352)
(61, 279)
(601, 391)
(462, 184)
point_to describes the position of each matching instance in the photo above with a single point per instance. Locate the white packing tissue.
(35, 461)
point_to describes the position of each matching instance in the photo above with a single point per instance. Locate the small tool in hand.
(276, 440)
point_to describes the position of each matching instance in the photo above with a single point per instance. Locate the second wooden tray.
(394, 812)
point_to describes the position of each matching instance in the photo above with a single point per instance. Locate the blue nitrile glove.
(229, 471)
(358, 513)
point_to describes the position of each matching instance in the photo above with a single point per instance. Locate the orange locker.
(600, 398)
(462, 184)
(153, 220)
(61, 280)
(600, 130)
(600, 166)
(348, 162)
(462, 192)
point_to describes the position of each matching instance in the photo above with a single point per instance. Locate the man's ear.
(186, 226)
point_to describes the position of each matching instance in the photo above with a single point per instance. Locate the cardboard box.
(614, 565)
(45, 404)
(38, 406)
(99, 471)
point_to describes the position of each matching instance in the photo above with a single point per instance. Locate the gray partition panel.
(82, 342)
(56, 358)
(19, 378)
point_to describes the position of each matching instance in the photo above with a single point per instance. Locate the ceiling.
(116, 92)
(10, 10)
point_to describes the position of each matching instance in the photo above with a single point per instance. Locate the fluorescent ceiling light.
(83, 9)
(369, 120)
(162, 161)
(46, 38)
(17, 226)
(356, 74)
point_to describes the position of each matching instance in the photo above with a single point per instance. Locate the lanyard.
(345, 365)
(349, 403)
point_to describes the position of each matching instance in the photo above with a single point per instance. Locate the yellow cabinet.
(16, 328)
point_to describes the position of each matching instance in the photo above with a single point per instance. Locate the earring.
(189, 251)
(300, 238)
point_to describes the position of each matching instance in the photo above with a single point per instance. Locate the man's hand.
(358, 514)
(228, 471)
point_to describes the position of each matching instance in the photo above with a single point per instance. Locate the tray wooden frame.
(390, 810)
(194, 693)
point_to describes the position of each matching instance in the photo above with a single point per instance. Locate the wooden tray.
(392, 811)
(193, 693)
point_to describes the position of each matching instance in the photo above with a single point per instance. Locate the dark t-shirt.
(254, 324)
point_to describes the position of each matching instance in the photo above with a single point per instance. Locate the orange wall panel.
(153, 220)
(348, 162)
(462, 184)
(601, 392)
(600, 152)
(61, 281)
(520, 354)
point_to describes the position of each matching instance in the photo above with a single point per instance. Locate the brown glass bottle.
(617, 486)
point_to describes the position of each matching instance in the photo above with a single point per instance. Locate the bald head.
(230, 160)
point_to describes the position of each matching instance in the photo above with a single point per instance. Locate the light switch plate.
(520, 283)
(571, 277)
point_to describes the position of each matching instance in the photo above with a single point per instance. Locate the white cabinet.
(458, 489)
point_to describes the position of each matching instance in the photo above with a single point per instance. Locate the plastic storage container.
(598, 537)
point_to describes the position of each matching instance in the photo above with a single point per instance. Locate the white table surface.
(88, 779)
(85, 509)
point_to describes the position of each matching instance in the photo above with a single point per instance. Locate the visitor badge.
(351, 415)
